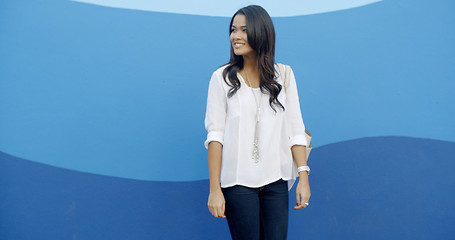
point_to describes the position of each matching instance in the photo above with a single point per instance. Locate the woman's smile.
(238, 45)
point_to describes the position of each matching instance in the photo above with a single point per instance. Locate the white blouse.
(231, 121)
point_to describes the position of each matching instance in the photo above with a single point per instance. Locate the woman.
(255, 132)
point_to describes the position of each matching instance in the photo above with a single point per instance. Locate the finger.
(217, 215)
(305, 205)
(212, 211)
(220, 212)
(221, 215)
(297, 196)
(305, 200)
(300, 206)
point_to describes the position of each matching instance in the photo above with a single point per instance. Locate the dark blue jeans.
(258, 213)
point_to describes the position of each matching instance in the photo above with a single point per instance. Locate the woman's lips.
(238, 45)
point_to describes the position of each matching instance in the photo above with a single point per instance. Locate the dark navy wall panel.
(369, 188)
(43, 202)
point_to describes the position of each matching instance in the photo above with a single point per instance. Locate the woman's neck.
(250, 64)
(251, 71)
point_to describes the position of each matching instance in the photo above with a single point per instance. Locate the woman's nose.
(236, 35)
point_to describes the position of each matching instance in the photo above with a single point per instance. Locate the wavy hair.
(261, 38)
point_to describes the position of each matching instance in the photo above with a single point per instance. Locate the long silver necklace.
(258, 120)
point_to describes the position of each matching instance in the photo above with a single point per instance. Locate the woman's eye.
(232, 30)
(244, 30)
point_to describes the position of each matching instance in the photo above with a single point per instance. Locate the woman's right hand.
(216, 203)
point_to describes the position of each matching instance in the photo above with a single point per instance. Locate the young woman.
(255, 132)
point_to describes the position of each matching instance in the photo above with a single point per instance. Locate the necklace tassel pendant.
(256, 127)
(256, 141)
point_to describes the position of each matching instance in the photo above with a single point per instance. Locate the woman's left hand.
(302, 191)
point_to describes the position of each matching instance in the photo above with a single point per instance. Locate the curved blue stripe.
(227, 9)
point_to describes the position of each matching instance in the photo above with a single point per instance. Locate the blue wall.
(102, 109)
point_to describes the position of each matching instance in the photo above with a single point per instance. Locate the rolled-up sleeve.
(215, 116)
(293, 114)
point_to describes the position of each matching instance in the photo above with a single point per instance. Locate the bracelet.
(303, 168)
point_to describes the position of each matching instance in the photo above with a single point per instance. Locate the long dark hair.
(261, 37)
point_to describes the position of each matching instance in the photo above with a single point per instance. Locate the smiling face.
(239, 37)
